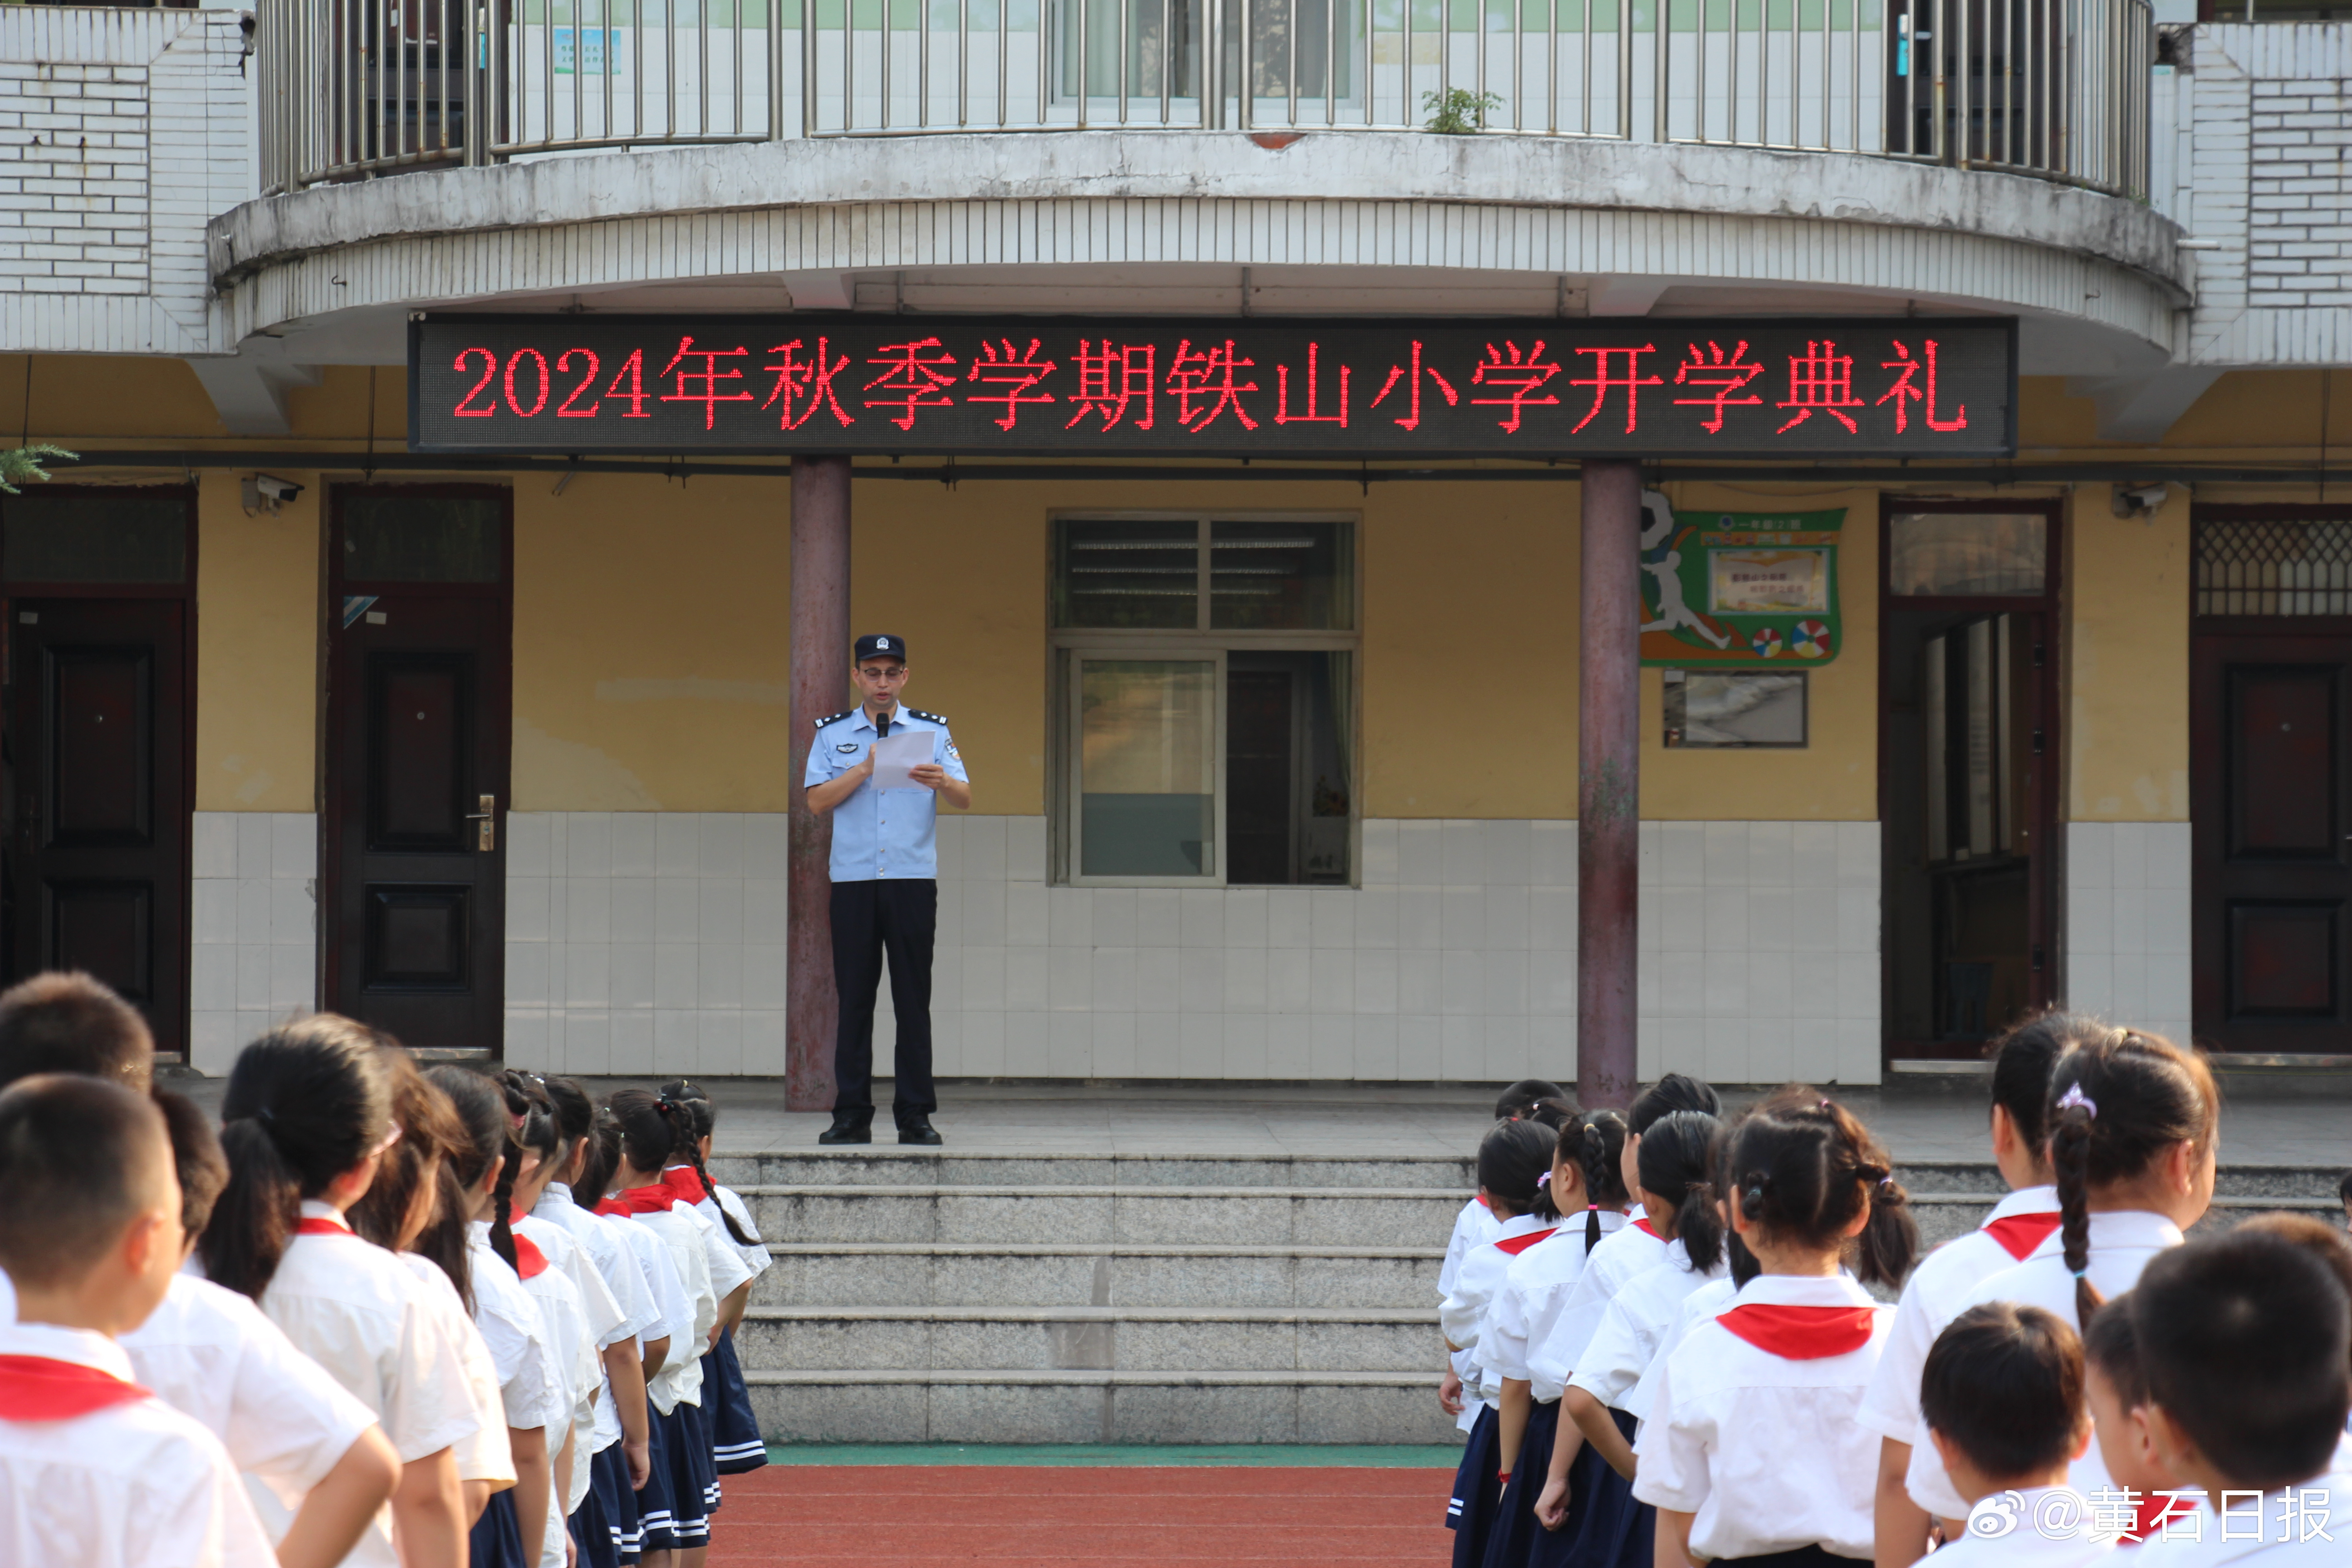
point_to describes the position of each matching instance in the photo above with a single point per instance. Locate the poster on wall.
(1740, 589)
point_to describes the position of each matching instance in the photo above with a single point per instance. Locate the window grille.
(2274, 566)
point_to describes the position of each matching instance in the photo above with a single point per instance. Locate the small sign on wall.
(1740, 589)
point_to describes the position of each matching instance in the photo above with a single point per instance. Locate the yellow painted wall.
(257, 649)
(2126, 669)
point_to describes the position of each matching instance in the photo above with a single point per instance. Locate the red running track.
(974, 1516)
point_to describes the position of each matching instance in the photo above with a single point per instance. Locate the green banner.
(1740, 588)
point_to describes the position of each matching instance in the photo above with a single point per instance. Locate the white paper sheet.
(896, 756)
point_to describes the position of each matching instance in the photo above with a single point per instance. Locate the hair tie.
(1824, 1103)
(1592, 1209)
(519, 1118)
(1543, 1181)
(2075, 1097)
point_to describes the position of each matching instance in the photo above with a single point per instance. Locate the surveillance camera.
(2139, 501)
(266, 492)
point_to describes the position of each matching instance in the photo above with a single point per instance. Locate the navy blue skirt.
(1605, 1527)
(610, 1509)
(656, 1516)
(495, 1541)
(1512, 1542)
(594, 1541)
(1795, 1557)
(736, 1445)
(1470, 1513)
(690, 1487)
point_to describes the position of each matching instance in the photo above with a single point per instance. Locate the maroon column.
(1608, 786)
(820, 687)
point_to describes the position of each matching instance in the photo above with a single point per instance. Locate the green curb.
(1269, 1455)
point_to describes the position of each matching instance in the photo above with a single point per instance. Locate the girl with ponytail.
(524, 1353)
(1750, 1449)
(2022, 1063)
(1588, 1197)
(308, 1126)
(2135, 1129)
(737, 1447)
(1678, 1203)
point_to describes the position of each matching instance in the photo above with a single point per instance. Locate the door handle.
(486, 837)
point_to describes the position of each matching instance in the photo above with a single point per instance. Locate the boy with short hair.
(2116, 1391)
(2002, 1392)
(2244, 1340)
(96, 1472)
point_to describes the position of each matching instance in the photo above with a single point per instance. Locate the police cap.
(880, 645)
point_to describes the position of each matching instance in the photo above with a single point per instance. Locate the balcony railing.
(2057, 88)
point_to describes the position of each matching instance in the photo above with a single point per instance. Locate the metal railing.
(2053, 88)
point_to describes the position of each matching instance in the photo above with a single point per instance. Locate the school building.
(347, 670)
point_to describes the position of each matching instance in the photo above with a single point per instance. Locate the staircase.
(922, 1297)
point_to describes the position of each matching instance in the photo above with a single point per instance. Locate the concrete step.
(916, 1274)
(1195, 1214)
(1109, 1339)
(882, 1165)
(899, 1406)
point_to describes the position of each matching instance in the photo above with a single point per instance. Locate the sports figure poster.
(1740, 589)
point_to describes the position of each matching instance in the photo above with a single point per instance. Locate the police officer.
(885, 890)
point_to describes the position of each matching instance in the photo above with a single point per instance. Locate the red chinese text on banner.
(1209, 374)
(911, 378)
(1018, 372)
(1820, 381)
(805, 386)
(702, 385)
(1630, 381)
(1726, 374)
(1521, 373)
(1411, 419)
(1904, 392)
(1282, 413)
(1110, 378)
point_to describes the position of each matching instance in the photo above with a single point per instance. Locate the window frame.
(1066, 645)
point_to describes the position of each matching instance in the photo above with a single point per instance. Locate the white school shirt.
(607, 1249)
(1764, 1450)
(2287, 1537)
(1463, 1314)
(599, 1322)
(1534, 1289)
(1474, 1226)
(1634, 1327)
(753, 1252)
(2122, 1244)
(135, 1485)
(211, 1353)
(1697, 1307)
(2051, 1530)
(679, 1230)
(1625, 1252)
(486, 1453)
(1931, 1299)
(727, 1270)
(363, 1315)
(523, 1351)
(578, 1370)
(673, 1308)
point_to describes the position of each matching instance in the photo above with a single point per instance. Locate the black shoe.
(919, 1130)
(851, 1128)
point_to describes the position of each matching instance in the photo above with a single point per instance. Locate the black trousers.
(899, 916)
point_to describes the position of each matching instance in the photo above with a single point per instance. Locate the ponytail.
(306, 1103)
(1601, 1148)
(649, 1129)
(1513, 1160)
(601, 1159)
(415, 1170)
(2117, 1104)
(481, 1107)
(1802, 1167)
(701, 1116)
(1674, 1166)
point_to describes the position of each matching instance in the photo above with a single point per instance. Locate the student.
(1612, 1531)
(737, 1447)
(2001, 1390)
(96, 1472)
(307, 1124)
(2135, 1125)
(2018, 1223)
(1751, 1448)
(1475, 1225)
(2116, 1391)
(649, 1129)
(1515, 1161)
(1588, 1192)
(537, 1403)
(2244, 1337)
(618, 1462)
(323, 1466)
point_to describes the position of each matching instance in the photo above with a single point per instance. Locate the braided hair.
(701, 1116)
(2117, 1104)
(1802, 1167)
(481, 1105)
(2022, 1062)
(1600, 1149)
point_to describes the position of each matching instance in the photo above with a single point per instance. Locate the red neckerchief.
(41, 1388)
(1515, 1244)
(2153, 1510)
(530, 1261)
(681, 1180)
(1646, 1228)
(2020, 1234)
(655, 1199)
(316, 1225)
(1802, 1334)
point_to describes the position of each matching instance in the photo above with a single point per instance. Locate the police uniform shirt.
(881, 835)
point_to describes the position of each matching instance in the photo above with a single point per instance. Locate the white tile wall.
(2127, 922)
(653, 942)
(254, 928)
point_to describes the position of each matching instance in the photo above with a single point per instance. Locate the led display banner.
(1732, 589)
(1042, 386)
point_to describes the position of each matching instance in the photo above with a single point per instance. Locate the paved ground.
(1919, 1124)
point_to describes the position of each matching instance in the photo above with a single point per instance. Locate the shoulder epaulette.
(934, 717)
(833, 718)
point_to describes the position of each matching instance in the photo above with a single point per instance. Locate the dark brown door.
(419, 681)
(2270, 827)
(98, 741)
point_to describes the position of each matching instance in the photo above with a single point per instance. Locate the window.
(2273, 561)
(72, 533)
(1964, 554)
(1207, 699)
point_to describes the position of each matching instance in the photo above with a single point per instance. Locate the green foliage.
(21, 465)
(1458, 111)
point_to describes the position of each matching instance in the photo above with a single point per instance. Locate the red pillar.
(819, 622)
(1608, 789)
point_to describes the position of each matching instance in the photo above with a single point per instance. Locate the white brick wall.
(122, 132)
(2128, 924)
(255, 954)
